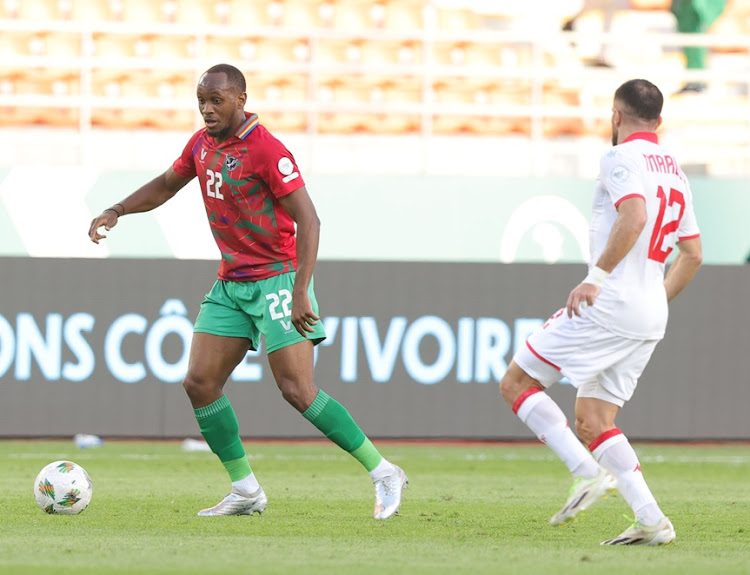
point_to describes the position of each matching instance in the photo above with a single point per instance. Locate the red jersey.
(242, 180)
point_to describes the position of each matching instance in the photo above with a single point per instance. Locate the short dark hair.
(642, 98)
(234, 76)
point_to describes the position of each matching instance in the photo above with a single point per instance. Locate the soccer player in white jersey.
(604, 336)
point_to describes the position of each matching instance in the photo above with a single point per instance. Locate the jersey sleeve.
(184, 166)
(621, 177)
(689, 223)
(276, 166)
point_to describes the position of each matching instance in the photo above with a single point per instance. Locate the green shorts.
(255, 308)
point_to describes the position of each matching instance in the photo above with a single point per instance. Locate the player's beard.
(614, 135)
(218, 133)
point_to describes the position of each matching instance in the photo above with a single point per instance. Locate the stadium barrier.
(415, 350)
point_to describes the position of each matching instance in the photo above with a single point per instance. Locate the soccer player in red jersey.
(254, 196)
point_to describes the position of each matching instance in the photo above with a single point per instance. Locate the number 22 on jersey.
(214, 180)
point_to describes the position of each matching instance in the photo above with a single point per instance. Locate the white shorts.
(599, 363)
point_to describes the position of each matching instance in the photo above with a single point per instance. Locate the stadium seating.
(650, 4)
(252, 13)
(735, 22)
(401, 15)
(199, 13)
(94, 11)
(39, 10)
(645, 51)
(140, 11)
(347, 66)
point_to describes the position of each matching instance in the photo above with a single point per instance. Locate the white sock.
(383, 468)
(614, 452)
(545, 418)
(588, 468)
(248, 485)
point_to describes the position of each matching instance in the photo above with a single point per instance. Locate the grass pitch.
(475, 508)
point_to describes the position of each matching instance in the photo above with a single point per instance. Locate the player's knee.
(195, 387)
(582, 430)
(510, 388)
(295, 395)
(189, 385)
(505, 386)
(516, 381)
(589, 428)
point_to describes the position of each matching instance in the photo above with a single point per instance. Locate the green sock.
(219, 427)
(332, 418)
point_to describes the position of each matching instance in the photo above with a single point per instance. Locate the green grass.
(470, 509)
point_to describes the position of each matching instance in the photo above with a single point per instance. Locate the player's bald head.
(640, 99)
(234, 77)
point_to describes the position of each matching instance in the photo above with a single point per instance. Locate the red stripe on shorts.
(521, 398)
(540, 357)
(604, 437)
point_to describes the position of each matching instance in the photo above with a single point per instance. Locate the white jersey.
(633, 300)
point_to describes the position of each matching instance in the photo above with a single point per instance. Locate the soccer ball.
(63, 487)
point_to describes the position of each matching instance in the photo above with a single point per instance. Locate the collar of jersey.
(248, 126)
(648, 136)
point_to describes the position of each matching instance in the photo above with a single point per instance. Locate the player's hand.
(108, 219)
(581, 297)
(303, 317)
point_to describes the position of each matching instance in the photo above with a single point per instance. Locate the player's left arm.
(684, 267)
(690, 255)
(631, 219)
(301, 209)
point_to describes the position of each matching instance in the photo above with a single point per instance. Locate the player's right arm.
(631, 219)
(621, 177)
(149, 196)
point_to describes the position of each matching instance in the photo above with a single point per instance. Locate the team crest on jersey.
(231, 163)
(620, 174)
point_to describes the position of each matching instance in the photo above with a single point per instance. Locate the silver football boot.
(388, 492)
(639, 534)
(238, 504)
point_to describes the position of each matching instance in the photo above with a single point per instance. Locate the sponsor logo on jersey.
(203, 153)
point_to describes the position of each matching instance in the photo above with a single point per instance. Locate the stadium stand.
(425, 67)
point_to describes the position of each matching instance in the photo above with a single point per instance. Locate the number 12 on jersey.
(656, 249)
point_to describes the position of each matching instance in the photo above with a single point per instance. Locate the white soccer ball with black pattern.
(63, 487)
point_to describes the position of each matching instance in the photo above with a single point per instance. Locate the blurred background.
(435, 133)
(444, 92)
(538, 73)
